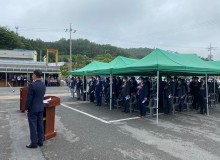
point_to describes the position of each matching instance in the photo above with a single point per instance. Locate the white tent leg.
(214, 83)
(110, 92)
(157, 94)
(207, 100)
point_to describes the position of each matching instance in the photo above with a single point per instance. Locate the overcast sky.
(186, 26)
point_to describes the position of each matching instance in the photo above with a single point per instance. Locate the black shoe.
(31, 146)
(40, 144)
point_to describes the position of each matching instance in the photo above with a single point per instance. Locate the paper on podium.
(46, 100)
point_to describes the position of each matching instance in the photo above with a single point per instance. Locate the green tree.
(80, 61)
(83, 50)
(64, 70)
(8, 39)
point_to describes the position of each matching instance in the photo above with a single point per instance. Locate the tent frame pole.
(207, 99)
(110, 92)
(214, 83)
(157, 93)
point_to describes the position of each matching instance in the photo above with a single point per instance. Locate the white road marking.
(3, 112)
(102, 120)
(99, 119)
(125, 119)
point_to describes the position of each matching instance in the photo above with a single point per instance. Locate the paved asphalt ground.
(87, 132)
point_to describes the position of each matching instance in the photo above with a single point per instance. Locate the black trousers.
(196, 101)
(142, 108)
(167, 102)
(202, 105)
(36, 127)
(98, 98)
(126, 105)
(91, 96)
(180, 104)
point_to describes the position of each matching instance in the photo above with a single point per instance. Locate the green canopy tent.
(119, 61)
(168, 62)
(86, 70)
(214, 63)
(209, 67)
(217, 65)
(160, 61)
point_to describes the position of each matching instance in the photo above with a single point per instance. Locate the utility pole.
(16, 27)
(40, 54)
(70, 31)
(210, 49)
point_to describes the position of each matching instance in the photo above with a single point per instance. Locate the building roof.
(18, 54)
(22, 68)
(26, 66)
(22, 62)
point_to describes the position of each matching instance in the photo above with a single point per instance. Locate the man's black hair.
(38, 73)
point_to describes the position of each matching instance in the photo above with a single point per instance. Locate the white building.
(18, 63)
(18, 54)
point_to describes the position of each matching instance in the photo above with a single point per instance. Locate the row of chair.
(152, 105)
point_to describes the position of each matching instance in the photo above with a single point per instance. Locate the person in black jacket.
(202, 99)
(78, 87)
(133, 86)
(92, 83)
(106, 86)
(114, 90)
(118, 87)
(125, 92)
(195, 87)
(169, 92)
(34, 108)
(98, 91)
(180, 93)
(143, 93)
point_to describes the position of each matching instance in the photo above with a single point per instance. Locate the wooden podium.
(23, 98)
(49, 116)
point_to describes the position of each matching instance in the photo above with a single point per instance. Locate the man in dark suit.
(143, 94)
(195, 89)
(34, 108)
(125, 92)
(92, 83)
(180, 93)
(202, 96)
(98, 91)
(169, 92)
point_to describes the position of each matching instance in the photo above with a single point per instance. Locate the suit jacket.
(143, 92)
(98, 86)
(36, 91)
(92, 85)
(169, 89)
(180, 90)
(202, 90)
(125, 89)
